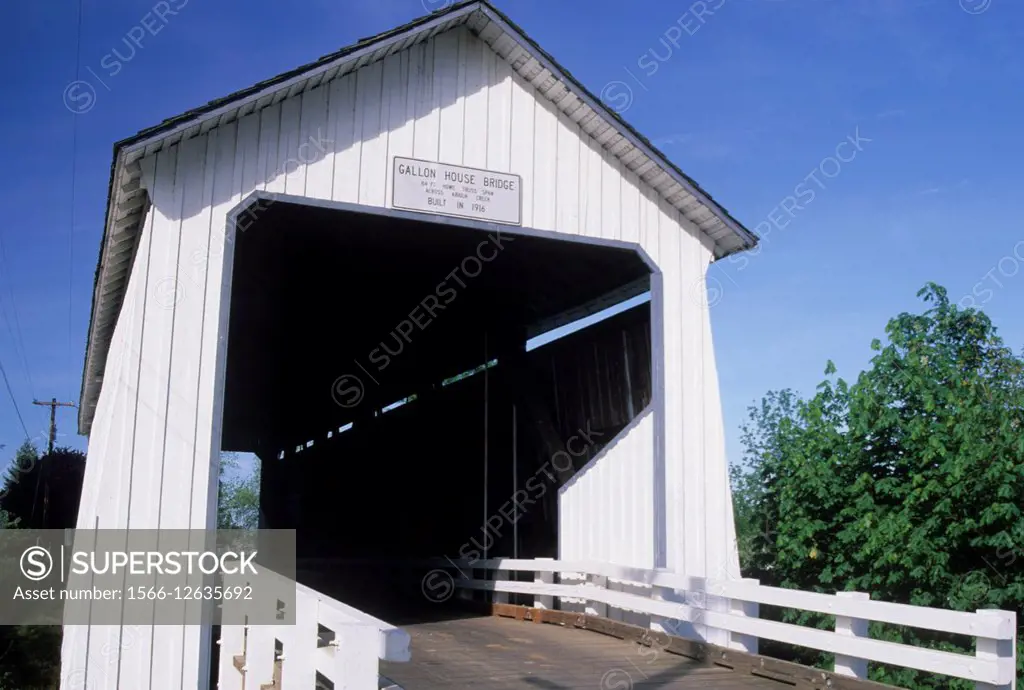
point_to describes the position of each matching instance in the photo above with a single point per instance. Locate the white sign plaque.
(454, 190)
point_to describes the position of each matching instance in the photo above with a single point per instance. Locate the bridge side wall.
(604, 512)
(153, 460)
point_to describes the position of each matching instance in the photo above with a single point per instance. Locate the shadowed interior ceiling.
(318, 294)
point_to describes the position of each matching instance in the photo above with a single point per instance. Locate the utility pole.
(53, 405)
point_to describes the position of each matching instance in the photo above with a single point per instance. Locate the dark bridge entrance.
(378, 366)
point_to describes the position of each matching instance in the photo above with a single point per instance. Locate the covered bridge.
(339, 270)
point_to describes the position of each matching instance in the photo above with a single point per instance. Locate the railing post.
(463, 573)
(352, 658)
(852, 627)
(994, 650)
(746, 609)
(544, 601)
(596, 608)
(500, 597)
(660, 623)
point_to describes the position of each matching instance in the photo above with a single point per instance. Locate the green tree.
(29, 654)
(238, 497)
(25, 460)
(44, 492)
(907, 484)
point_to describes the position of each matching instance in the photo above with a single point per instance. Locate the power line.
(16, 333)
(74, 178)
(14, 401)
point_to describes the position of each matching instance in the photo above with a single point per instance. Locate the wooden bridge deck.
(459, 644)
(491, 652)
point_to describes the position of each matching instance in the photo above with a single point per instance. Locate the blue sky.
(750, 100)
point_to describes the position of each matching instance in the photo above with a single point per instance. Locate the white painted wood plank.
(400, 109)
(630, 230)
(179, 444)
(186, 333)
(447, 62)
(246, 176)
(347, 138)
(300, 645)
(267, 168)
(354, 665)
(372, 115)
(611, 196)
(691, 389)
(425, 89)
(499, 113)
(545, 177)
(176, 437)
(232, 166)
(522, 148)
(154, 368)
(567, 167)
(232, 640)
(316, 151)
(289, 165)
(680, 541)
(590, 188)
(650, 226)
(475, 56)
(259, 656)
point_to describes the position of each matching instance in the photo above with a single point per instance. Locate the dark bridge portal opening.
(350, 338)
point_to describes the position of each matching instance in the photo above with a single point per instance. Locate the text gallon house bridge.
(345, 270)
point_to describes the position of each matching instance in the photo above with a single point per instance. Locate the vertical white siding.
(604, 512)
(153, 452)
(545, 165)
(523, 144)
(312, 138)
(347, 125)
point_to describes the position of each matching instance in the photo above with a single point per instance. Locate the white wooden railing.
(732, 606)
(329, 641)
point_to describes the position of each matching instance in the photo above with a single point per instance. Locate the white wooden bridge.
(309, 269)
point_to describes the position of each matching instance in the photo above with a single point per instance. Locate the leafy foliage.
(238, 498)
(907, 484)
